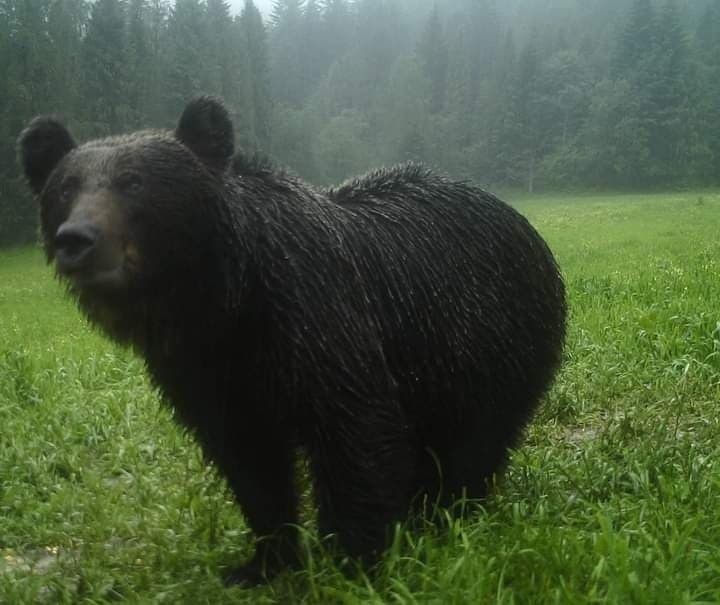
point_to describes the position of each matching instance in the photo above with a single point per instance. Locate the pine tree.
(522, 136)
(154, 98)
(479, 23)
(505, 63)
(636, 40)
(26, 72)
(635, 61)
(286, 52)
(563, 95)
(312, 58)
(402, 114)
(139, 63)
(613, 142)
(104, 67)
(376, 44)
(708, 35)
(670, 95)
(65, 23)
(432, 51)
(336, 24)
(187, 74)
(707, 110)
(256, 106)
(218, 57)
(285, 10)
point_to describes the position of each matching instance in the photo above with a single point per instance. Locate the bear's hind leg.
(363, 466)
(462, 467)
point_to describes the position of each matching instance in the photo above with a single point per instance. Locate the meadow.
(613, 497)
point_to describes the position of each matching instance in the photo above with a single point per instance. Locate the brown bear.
(399, 329)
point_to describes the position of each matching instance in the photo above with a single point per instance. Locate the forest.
(517, 94)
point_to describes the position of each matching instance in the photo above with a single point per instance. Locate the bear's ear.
(40, 147)
(205, 127)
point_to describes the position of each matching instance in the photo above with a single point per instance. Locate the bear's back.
(460, 283)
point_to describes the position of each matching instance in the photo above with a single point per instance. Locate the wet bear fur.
(400, 329)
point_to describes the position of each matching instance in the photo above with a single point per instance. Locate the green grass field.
(613, 497)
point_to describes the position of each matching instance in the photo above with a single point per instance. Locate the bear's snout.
(89, 247)
(74, 243)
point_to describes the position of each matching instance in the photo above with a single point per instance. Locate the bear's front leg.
(260, 470)
(363, 463)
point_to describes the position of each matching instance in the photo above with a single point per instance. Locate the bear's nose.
(73, 244)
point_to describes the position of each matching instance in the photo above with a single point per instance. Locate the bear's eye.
(67, 189)
(130, 183)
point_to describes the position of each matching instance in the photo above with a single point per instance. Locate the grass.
(613, 497)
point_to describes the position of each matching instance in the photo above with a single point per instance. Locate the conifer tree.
(256, 105)
(286, 51)
(187, 73)
(139, 63)
(105, 68)
(432, 51)
(636, 40)
(670, 95)
(336, 28)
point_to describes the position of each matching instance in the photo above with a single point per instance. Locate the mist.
(519, 94)
(264, 6)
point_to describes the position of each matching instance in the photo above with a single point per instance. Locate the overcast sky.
(263, 5)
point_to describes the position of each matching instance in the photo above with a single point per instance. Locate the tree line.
(523, 94)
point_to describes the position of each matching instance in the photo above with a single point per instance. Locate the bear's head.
(130, 217)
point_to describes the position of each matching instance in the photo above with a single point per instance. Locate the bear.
(398, 330)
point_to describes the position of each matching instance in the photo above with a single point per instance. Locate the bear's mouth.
(95, 271)
(90, 260)
(103, 279)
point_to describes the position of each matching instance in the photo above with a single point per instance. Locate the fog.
(519, 94)
(265, 6)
